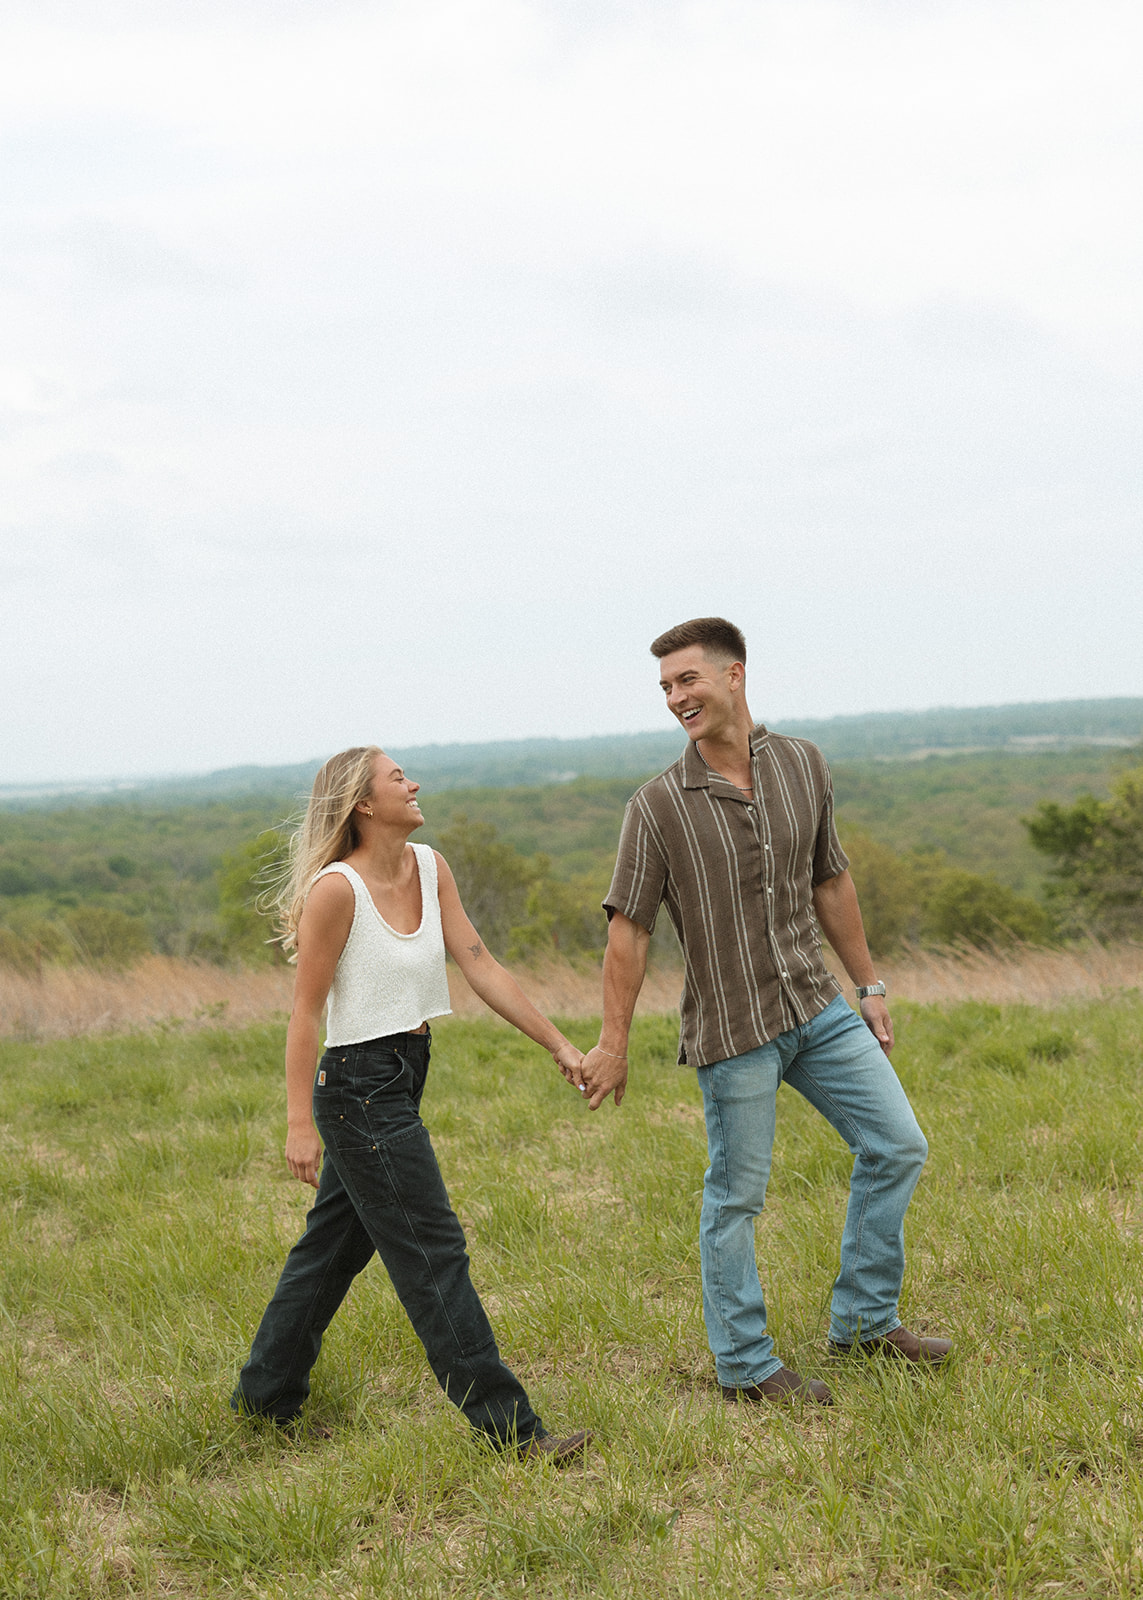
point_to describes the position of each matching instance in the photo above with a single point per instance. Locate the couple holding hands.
(737, 840)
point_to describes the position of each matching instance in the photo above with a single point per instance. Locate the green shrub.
(15, 952)
(1097, 851)
(965, 908)
(564, 919)
(889, 888)
(247, 932)
(29, 941)
(107, 938)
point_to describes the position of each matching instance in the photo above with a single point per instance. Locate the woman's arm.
(496, 987)
(322, 932)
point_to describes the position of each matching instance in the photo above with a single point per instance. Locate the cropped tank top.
(387, 982)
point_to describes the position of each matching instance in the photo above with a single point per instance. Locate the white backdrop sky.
(396, 371)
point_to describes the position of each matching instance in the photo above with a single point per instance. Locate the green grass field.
(146, 1212)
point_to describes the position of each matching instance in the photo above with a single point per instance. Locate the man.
(738, 840)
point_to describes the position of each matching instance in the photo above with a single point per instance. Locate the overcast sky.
(396, 371)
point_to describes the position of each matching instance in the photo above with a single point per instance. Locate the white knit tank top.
(387, 982)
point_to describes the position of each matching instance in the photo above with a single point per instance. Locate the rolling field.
(146, 1212)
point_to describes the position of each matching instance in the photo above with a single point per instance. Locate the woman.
(371, 917)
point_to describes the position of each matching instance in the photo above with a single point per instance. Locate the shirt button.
(784, 973)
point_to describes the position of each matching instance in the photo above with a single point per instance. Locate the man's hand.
(303, 1154)
(875, 1015)
(603, 1073)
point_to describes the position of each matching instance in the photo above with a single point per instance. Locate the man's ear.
(736, 674)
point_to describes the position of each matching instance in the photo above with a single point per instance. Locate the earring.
(369, 813)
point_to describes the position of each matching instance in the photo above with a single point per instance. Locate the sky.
(395, 372)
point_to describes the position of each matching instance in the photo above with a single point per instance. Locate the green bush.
(107, 938)
(919, 898)
(1097, 850)
(965, 908)
(29, 941)
(564, 919)
(493, 879)
(889, 888)
(247, 933)
(15, 952)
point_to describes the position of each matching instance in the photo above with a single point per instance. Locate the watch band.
(865, 989)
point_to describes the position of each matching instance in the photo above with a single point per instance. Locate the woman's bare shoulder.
(330, 893)
(444, 871)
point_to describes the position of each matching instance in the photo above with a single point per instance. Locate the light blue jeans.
(837, 1064)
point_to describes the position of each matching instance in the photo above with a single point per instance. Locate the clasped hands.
(596, 1075)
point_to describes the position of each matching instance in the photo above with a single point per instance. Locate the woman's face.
(393, 796)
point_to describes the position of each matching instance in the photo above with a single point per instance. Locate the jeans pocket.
(396, 1171)
(377, 1071)
(365, 1100)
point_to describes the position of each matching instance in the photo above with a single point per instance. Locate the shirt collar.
(696, 773)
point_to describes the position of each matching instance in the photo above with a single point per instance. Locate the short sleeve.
(640, 877)
(829, 858)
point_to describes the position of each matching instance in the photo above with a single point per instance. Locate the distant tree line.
(915, 898)
(105, 885)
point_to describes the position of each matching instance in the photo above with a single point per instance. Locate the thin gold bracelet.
(615, 1056)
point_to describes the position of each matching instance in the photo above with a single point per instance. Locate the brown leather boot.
(560, 1452)
(902, 1344)
(781, 1385)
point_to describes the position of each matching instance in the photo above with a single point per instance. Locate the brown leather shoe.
(781, 1385)
(560, 1452)
(902, 1344)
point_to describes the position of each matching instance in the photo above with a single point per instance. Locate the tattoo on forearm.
(476, 949)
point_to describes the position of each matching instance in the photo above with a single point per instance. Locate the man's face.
(700, 692)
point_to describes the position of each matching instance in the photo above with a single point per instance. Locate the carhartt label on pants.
(321, 1078)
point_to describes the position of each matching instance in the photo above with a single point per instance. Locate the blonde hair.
(328, 832)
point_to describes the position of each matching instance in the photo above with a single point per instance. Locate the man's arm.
(604, 1068)
(839, 917)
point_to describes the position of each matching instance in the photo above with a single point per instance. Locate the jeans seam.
(716, 1252)
(415, 1236)
(307, 1321)
(850, 1284)
(717, 1246)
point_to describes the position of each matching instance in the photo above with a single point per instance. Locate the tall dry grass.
(62, 1001)
(1024, 975)
(65, 1001)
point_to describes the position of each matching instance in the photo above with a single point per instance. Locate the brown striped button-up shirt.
(737, 877)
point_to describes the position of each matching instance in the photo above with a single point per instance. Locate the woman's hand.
(569, 1060)
(303, 1154)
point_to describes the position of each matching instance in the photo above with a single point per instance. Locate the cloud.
(503, 333)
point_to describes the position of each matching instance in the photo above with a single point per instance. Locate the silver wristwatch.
(864, 990)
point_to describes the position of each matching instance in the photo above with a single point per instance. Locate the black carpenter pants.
(381, 1189)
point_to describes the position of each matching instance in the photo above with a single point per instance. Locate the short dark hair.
(717, 637)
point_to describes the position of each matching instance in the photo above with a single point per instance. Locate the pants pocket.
(395, 1173)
